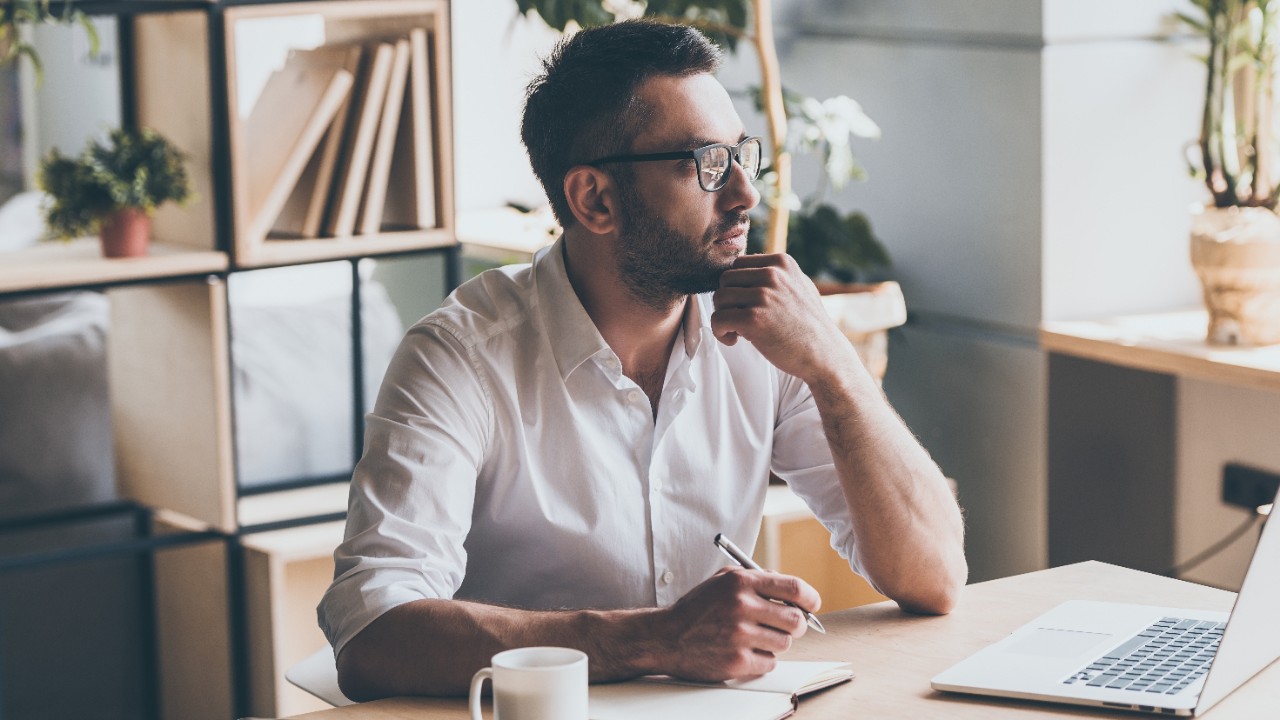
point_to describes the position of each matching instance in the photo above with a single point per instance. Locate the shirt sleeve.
(413, 490)
(802, 458)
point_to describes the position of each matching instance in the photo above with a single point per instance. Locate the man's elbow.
(355, 678)
(937, 596)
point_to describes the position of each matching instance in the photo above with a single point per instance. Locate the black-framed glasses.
(714, 161)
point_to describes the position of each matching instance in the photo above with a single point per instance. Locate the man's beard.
(659, 265)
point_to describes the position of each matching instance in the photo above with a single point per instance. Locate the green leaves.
(16, 13)
(1238, 143)
(724, 21)
(559, 13)
(844, 248)
(133, 169)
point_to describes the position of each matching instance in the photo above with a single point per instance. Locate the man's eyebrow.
(693, 143)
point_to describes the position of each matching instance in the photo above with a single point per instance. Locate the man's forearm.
(909, 529)
(433, 647)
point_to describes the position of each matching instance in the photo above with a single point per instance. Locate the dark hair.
(583, 105)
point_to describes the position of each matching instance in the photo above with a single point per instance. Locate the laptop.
(1154, 659)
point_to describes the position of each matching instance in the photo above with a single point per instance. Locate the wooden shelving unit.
(79, 263)
(170, 357)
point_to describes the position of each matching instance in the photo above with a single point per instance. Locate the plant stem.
(1264, 95)
(776, 117)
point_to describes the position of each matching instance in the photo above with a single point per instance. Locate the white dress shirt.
(508, 460)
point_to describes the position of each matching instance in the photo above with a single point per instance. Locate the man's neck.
(640, 334)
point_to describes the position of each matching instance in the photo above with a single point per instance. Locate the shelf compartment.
(168, 368)
(173, 95)
(286, 572)
(259, 167)
(79, 263)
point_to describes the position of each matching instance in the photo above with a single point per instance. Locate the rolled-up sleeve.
(414, 488)
(802, 458)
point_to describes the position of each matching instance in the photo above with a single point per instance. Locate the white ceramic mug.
(534, 683)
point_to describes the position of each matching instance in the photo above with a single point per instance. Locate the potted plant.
(113, 189)
(839, 252)
(1235, 241)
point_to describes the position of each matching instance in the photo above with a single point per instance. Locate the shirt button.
(667, 577)
(656, 484)
(635, 396)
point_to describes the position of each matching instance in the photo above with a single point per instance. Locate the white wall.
(80, 96)
(495, 54)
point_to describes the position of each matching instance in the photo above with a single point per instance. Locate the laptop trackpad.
(1057, 643)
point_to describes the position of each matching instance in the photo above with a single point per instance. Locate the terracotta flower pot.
(864, 313)
(125, 233)
(1236, 254)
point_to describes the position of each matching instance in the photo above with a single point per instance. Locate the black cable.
(1214, 549)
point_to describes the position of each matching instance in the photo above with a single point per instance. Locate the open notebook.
(768, 697)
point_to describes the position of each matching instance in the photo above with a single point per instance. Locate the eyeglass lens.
(714, 164)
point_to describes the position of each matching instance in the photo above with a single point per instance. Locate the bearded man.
(554, 449)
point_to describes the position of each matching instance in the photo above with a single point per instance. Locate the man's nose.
(739, 193)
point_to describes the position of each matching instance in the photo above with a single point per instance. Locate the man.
(553, 451)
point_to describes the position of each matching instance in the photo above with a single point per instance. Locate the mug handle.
(477, 685)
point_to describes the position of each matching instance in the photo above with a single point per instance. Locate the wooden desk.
(895, 654)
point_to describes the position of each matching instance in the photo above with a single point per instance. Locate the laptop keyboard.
(1164, 658)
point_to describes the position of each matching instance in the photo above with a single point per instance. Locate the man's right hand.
(729, 626)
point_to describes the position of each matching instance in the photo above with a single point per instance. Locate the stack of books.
(340, 143)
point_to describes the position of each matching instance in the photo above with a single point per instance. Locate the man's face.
(675, 238)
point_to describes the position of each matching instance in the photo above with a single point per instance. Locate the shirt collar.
(574, 336)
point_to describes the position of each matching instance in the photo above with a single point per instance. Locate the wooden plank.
(442, 116)
(193, 633)
(261, 581)
(173, 91)
(284, 252)
(290, 504)
(286, 574)
(79, 262)
(168, 369)
(375, 194)
(1171, 343)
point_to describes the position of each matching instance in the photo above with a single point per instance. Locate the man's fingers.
(782, 620)
(740, 296)
(758, 260)
(747, 277)
(776, 586)
(730, 321)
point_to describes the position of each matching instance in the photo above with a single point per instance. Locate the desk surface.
(1171, 343)
(895, 654)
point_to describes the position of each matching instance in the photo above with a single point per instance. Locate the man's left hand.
(769, 301)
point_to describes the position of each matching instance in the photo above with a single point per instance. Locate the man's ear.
(593, 198)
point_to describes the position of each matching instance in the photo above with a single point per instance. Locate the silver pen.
(728, 548)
